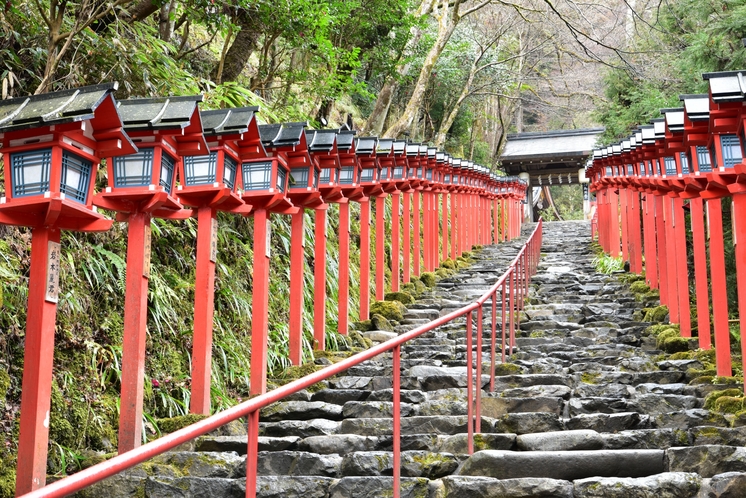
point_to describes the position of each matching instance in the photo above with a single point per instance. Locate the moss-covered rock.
(402, 297)
(363, 326)
(665, 335)
(693, 373)
(711, 399)
(448, 264)
(175, 423)
(655, 315)
(683, 355)
(379, 322)
(428, 278)
(657, 329)
(677, 344)
(702, 380)
(729, 404)
(639, 287)
(390, 310)
(442, 273)
(358, 341)
(507, 369)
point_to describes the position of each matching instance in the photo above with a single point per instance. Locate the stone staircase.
(587, 409)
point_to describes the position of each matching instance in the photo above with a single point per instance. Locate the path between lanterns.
(587, 409)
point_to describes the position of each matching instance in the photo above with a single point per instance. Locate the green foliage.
(390, 310)
(607, 264)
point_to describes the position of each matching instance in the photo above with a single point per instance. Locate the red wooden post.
(454, 223)
(738, 213)
(651, 266)
(614, 225)
(38, 358)
(719, 293)
(380, 247)
(260, 302)
(444, 224)
(297, 258)
(671, 276)
(364, 259)
(504, 217)
(624, 211)
(660, 234)
(204, 307)
(696, 209)
(636, 234)
(407, 239)
(319, 277)
(135, 322)
(344, 268)
(426, 229)
(416, 233)
(395, 245)
(682, 277)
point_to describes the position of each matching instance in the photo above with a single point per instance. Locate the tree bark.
(244, 45)
(377, 118)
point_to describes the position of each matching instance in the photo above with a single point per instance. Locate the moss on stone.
(729, 404)
(639, 287)
(663, 336)
(402, 297)
(379, 322)
(677, 344)
(704, 379)
(657, 329)
(683, 355)
(739, 420)
(428, 278)
(726, 380)
(655, 315)
(419, 287)
(448, 264)
(390, 310)
(358, 341)
(175, 423)
(442, 273)
(711, 399)
(589, 377)
(507, 369)
(363, 326)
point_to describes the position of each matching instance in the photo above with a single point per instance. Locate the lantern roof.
(321, 140)
(53, 108)
(384, 146)
(423, 149)
(648, 134)
(726, 86)
(346, 139)
(160, 113)
(366, 145)
(228, 121)
(674, 118)
(400, 146)
(659, 127)
(413, 149)
(283, 134)
(431, 152)
(696, 106)
(440, 157)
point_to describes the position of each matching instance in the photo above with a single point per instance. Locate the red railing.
(512, 288)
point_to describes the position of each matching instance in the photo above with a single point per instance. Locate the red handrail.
(520, 269)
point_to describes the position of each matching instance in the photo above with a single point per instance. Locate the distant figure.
(626, 266)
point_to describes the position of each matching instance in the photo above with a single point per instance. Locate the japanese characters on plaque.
(146, 252)
(214, 240)
(585, 191)
(52, 293)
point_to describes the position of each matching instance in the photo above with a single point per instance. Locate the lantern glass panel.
(684, 157)
(447, 179)
(200, 170)
(630, 170)
(732, 153)
(398, 172)
(30, 172)
(316, 174)
(429, 174)
(76, 173)
(229, 171)
(454, 180)
(167, 172)
(670, 164)
(369, 175)
(347, 175)
(257, 176)
(134, 170)
(608, 171)
(282, 178)
(327, 176)
(299, 177)
(413, 172)
(385, 173)
(643, 172)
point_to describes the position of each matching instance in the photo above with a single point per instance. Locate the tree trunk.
(243, 45)
(446, 124)
(446, 25)
(377, 118)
